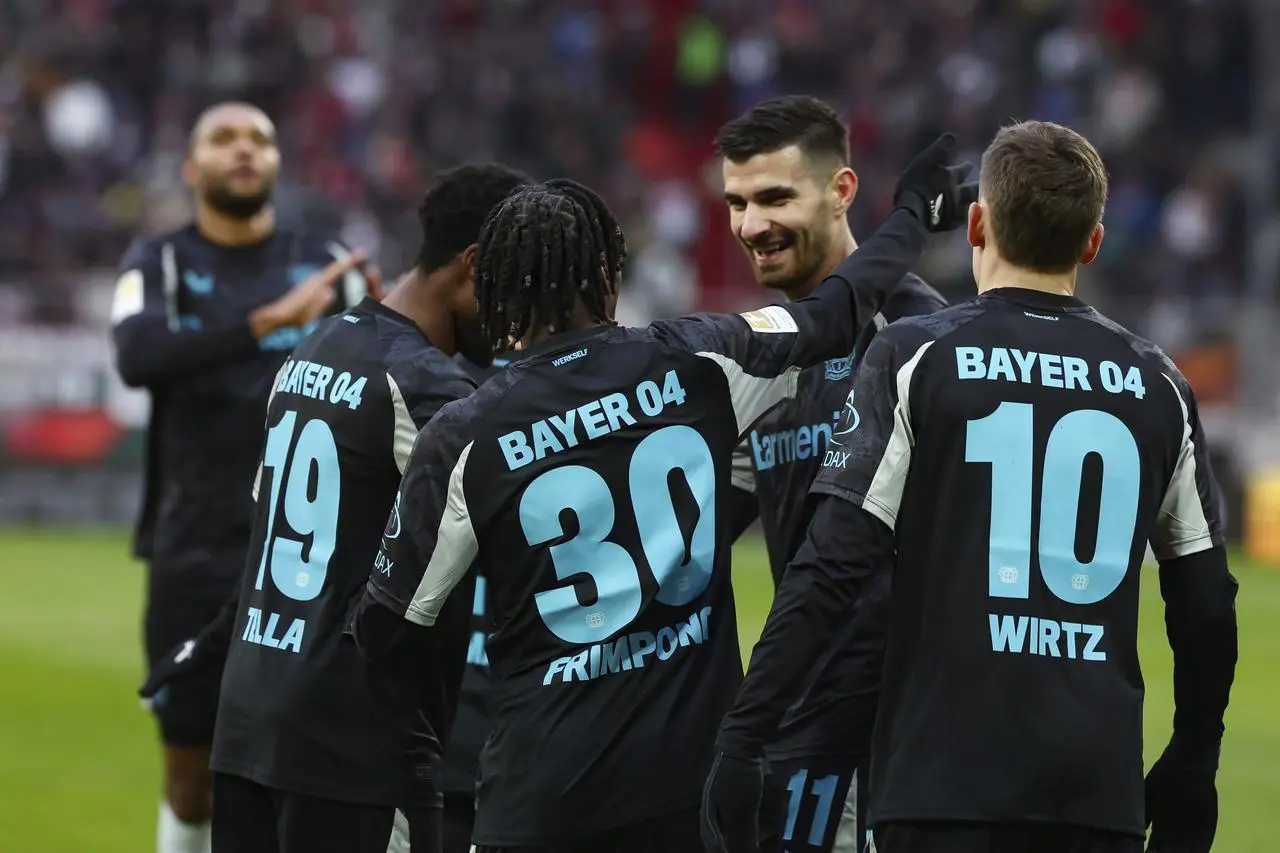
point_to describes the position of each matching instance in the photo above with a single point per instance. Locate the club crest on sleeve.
(772, 319)
(393, 523)
(198, 284)
(849, 422)
(838, 368)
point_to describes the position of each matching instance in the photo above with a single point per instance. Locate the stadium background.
(96, 97)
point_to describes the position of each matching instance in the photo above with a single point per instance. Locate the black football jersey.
(786, 446)
(1023, 449)
(460, 766)
(785, 451)
(584, 483)
(180, 328)
(589, 484)
(295, 712)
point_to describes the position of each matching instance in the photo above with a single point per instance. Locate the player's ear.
(976, 230)
(189, 175)
(469, 261)
(845, 186)
(1094, 245)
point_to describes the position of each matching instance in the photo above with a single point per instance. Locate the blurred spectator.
(96, 97)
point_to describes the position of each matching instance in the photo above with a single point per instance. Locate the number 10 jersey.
(1024, 449)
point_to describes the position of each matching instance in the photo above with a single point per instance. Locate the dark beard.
(237, 206)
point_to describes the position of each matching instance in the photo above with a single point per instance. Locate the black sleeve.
(416, 675)
(762, 351)
(216, 636)
(1200, 618)
(744, 506)
(150, 348)
(421, 384)
(430, 541)
(844, 547)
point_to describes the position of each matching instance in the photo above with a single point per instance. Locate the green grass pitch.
(79, 763)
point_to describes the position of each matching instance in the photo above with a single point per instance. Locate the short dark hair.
(1046, 188)
(542, 249)
(455, 207)
(800, 120)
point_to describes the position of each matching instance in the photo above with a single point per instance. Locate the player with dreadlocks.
(581, 239)
(588, 484)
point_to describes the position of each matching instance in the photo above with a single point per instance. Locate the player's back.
(597, 468)
(1042, 439)
(295, 712)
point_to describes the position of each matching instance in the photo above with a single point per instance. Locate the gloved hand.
(206, 650)
(1182, 799)
(731, 804)
(188, 658)
(933, 189)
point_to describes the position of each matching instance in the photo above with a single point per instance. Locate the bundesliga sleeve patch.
(127, 300)
(772, 318)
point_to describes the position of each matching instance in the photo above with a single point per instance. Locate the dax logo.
(839, 368)
(199, 285)
(393, 523)
(298, 273)
(850, 421)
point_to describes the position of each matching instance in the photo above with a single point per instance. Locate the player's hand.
(731, 804)
(1182, 800)
(306, 302)
(933, 189)
(374, 286)
(188, 658)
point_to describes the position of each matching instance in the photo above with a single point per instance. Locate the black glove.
(731, 804)
(1182, 800)
(933, 190)
(188, 658)
(203, 652)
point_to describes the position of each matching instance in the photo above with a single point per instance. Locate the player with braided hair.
(564, 234)
(587, 483)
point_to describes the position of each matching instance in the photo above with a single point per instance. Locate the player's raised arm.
(151, 345)
(1200, 618)
(850, 538)
(762, 350)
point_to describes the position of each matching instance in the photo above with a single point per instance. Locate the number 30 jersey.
(589, 484)
(1024, 449)
(295, 711)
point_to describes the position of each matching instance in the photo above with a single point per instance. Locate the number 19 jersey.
(295, 711)
(588, 483)
(1024, 449)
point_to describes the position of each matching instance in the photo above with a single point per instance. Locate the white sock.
(174, 836)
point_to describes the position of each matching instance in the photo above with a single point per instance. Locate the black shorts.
(251, 818)
(998, 838)
(459, 818)
(814, 804)
(672, 833)
(181, 600)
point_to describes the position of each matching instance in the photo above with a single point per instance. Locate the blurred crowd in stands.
(370, 96)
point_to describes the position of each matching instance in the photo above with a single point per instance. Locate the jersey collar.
(560, 341)
(1036, 299)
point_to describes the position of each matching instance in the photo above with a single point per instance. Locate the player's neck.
(539, 334)
(1003, 274)
(227, 231)
(411, 297)
(842, 247)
